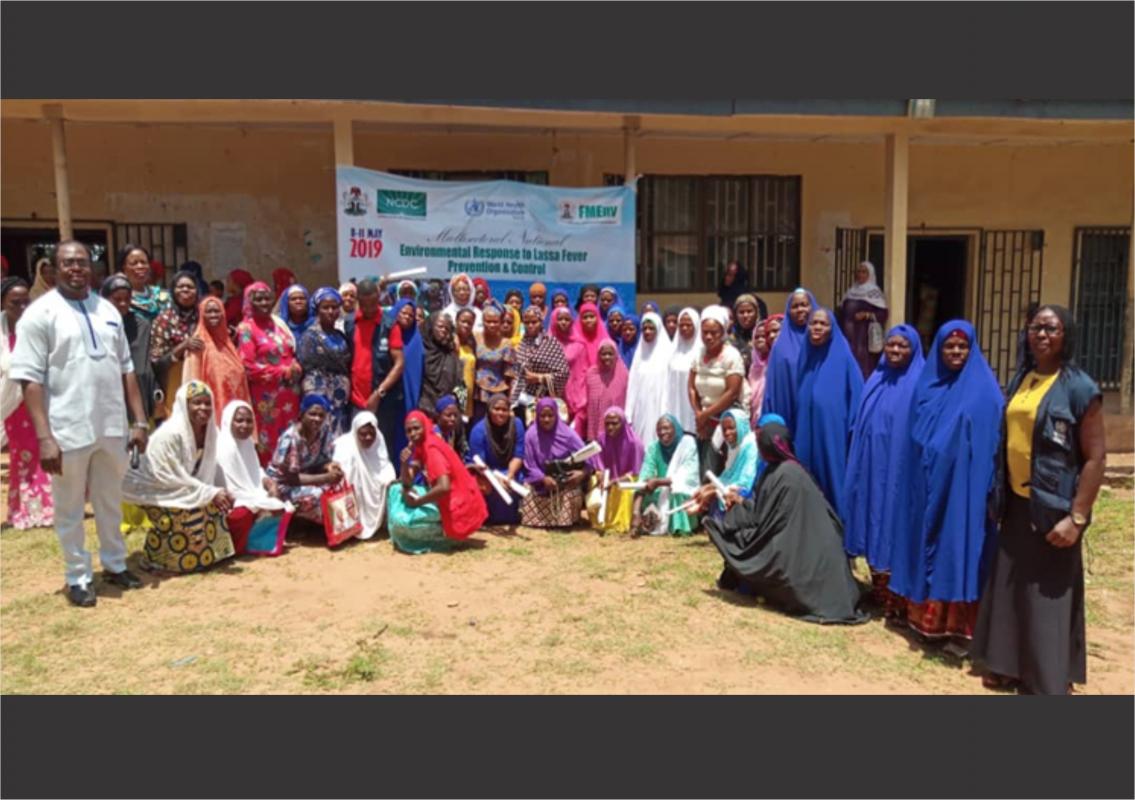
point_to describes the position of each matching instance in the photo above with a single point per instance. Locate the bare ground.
(528, 612)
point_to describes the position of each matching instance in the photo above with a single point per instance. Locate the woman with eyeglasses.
(1050, 464)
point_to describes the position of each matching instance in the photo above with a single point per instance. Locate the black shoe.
(83, 596)
(126, 579)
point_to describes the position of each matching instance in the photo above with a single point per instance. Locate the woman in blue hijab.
(614, 321)
(878, 433)
(827, 395)
(296, 316)
(781, 382)
(627, 338)
(413, 351)
(938, 561)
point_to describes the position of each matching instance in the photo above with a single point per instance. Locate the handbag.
(341, 520)
(875, 337)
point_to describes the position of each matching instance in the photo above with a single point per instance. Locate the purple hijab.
(541, 446)
(623, 453)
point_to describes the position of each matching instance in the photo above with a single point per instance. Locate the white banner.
(511, 234)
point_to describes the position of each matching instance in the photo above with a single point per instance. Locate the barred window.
(689, 227)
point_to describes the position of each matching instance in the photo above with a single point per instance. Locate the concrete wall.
(280, 183)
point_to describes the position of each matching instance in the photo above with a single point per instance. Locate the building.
(1001, 203)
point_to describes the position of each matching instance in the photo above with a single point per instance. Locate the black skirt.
(1030, 625)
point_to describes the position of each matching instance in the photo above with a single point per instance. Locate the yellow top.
(1020, 420)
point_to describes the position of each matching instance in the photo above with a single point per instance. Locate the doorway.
(937, 270)
(23, 245)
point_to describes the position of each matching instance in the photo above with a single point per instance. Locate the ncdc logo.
(474, 207)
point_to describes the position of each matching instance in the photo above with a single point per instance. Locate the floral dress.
(268, 355)
(29, 487)
(326, 360)
(295, 456)
(172, 327)
(496, 370)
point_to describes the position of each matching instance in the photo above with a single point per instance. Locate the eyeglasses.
(1051, 330)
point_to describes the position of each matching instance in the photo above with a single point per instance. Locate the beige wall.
(280, 183)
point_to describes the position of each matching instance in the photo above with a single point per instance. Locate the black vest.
(1056, 456)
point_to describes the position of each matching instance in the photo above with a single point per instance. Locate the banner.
(511, 234)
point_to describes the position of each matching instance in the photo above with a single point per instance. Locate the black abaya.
(786, 545)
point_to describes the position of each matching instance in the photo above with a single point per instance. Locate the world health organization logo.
(474, 207)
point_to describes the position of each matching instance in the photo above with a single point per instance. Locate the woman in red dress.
(451, 487)
(269, 357)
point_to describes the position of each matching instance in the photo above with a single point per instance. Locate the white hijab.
(238, 468)
(869, 291)
(368, 471)
(683, 468)
(646, 384)
(166, 476)
(685, 353)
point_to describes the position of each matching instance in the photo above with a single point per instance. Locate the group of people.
(445, 412)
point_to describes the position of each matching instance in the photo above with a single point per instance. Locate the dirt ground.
(528, 612)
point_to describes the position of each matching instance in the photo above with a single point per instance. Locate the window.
(538, 178)
(690, 227)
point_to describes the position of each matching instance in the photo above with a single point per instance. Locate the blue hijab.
(552, 307)
(617, 304)
(829, 383)
(627, 351)
(947, 466)
(878, 433)
(780, 374)
(622, 315)
(297, 328)
(413, 355)
(766, 419)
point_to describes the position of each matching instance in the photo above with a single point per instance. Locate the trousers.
(96, 470)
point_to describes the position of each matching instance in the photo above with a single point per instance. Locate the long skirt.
(29, 487)
(258, 533)
(555, 510)
(934, 619)
(500, 512)
(414, 530)
(276, 406)
(186, 540)
(1031, 622)
(620, 510)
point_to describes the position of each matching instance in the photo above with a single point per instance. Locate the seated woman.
(447, 508)
(622, 460)
(786, 545)
(552, 504)
(174, 487)
(259, 519)
(738, 446)
(499, 440)
(450, 426)
(670, 472)
(302, 465)
(361, 453)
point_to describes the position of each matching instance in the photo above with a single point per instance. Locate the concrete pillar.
(54, 114)
(897, 159)
(344, 143)
(1126, 387)
(630, 134)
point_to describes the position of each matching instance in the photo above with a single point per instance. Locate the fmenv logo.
(396, 203)
(589, 212)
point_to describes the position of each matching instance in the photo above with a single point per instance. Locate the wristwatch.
(1079, 520)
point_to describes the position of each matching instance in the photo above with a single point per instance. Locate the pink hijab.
(604, 389)
(757, 371)
(575, 353)
(590, 343)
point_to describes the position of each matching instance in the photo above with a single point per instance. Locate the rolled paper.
(589, 450)
(408, 273)
(493, 481)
